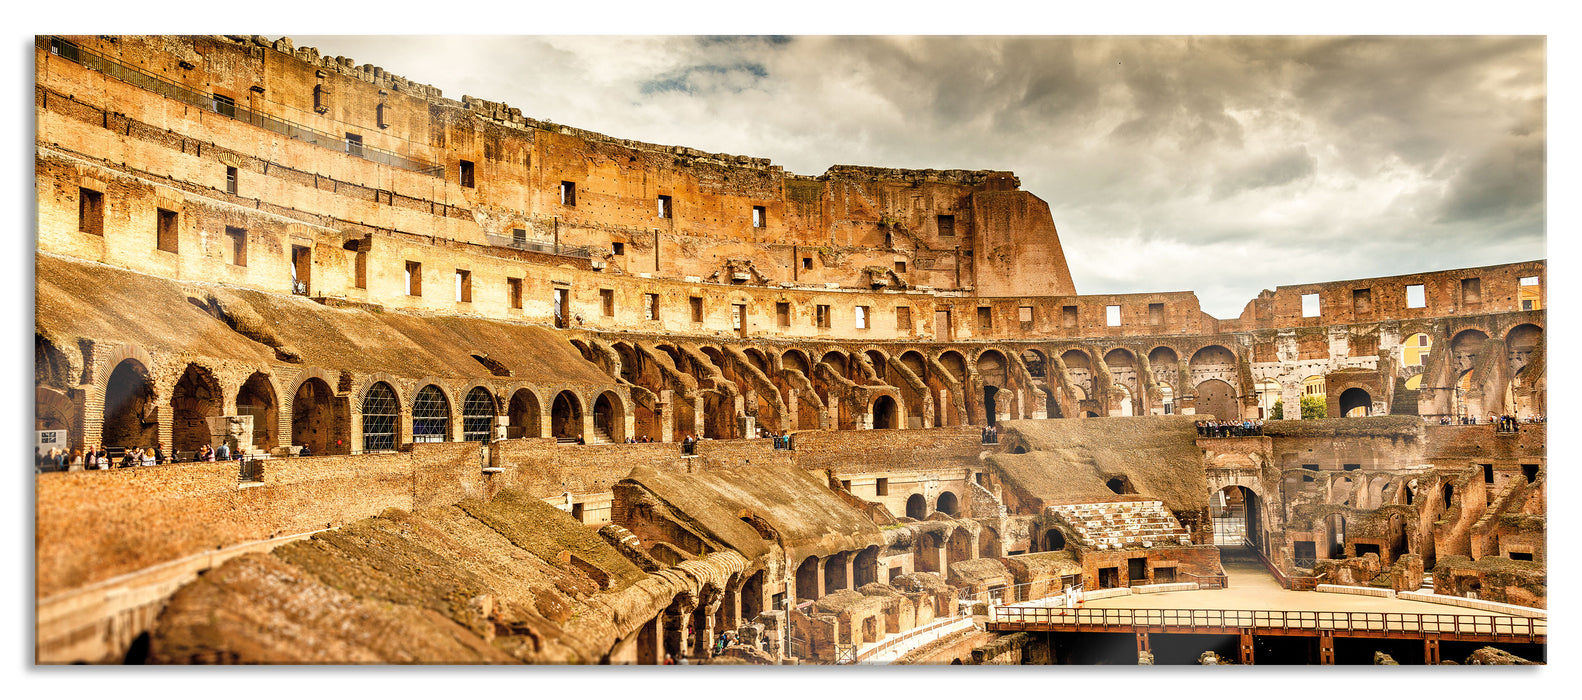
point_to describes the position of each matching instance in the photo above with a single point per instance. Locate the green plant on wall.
(1278, 412)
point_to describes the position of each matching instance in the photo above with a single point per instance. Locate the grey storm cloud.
(1222, 165)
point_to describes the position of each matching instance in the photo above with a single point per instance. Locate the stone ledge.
(1489, 606)
(1356, 590)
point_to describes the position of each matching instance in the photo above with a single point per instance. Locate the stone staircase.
(1124, 525)
(600, 437)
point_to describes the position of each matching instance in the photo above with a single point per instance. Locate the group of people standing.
(991, 435)
(1229, 428)
(97, 457)
(781, 441)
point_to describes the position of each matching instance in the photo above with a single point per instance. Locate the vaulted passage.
(128, 404)
(381, 418)
(430, 415)
(195, 400)
(257, 399)
(565, 417)
(1218, 399)
(523, 418)
(884, 413)
(316, 422)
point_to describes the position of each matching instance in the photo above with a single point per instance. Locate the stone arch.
(1216, 397)
(565, 416)
(1163, 356)
(1036, 362)
(1077, 359)
(1053, 540)
(1355, 403)
(989, 544)
(913, 360)
(916, 506)
(194, 400)
(431, 414)
(865, 567)
(53, 380)
(796, 359)
(886, 412)
(524, 414)
(1334, 534)
(1465, 346)
(122, 353)
(609, 416)
(478, 412)
(1235, 512)
(318, 419)
(807, 579)
(879, 361)
(959, 547)
(948, 504)
(1123, 400)
(835, 570)
(381, 414)
(129, 406)
(257, 398)
(954, 364)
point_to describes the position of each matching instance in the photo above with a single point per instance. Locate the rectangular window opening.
(1472, 291)
(1361, 301)
(360, 270)
(464, 285)
(903, 319)
(568, 193)
(1416, 296)
(90, 212)
(1156, 314)
(861, 313)
(354, 145)
(807, 263)
(519, 236)
(618, 248)
(900, 266)
(821, 315)
(238, 238)
(1024, 314)
(1068, 317)
(985, 318)
(414, 278)
(513, 291)
(466, 174)
(607, 301)
(168, 232)
(739, 318)
(301, 269)
(664, 206)
(783, 314)
(1310, 306)
(230, 181)
(760, 217)
(1521, 556)
(225, 105)
(697, 308)
(1488, 473)
(947, 226)
(1112, 315)
(881, 487)
(651, 307)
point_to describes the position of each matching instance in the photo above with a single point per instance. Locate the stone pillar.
(1246, 647)
(667, 415)
(851, 572)
(404, 431)
(818, 583)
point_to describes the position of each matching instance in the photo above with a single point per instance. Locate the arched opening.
(752, 596)
(256, 398)
(314, 423)
(954, 365)
(430, 415)
(884, 413)
(1334, 536)
(522, 417)
(916, 506)
(877, 361)
(1123, 400)
(865, 567)
(477, 415)
(1355, 403)
(1167, 398)
(946, 504)
(807, 579)
(565, 417)
(1035, 362)
(1053, 540)
(381, 418)
(1118, 485)
(835, 572)
(1466, 346)
(128, 404)
(1234, 512)
(926, 557)
(609, 421)
(1460, 404)
(958, 548)
(53, 408)
(194, 401)
(989, 544)
(1217, 398)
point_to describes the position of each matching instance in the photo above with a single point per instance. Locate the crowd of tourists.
(1229, 428)
(991, 435)
(98, 457)
(781, 441)
(639, 440)
(1505, 423)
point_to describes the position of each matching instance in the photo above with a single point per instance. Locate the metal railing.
(1205, 581)
(147, 81)
(250, 470)
(925, 634)
(1227, 621)
(573, 251)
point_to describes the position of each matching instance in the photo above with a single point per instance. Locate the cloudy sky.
(1218, 165)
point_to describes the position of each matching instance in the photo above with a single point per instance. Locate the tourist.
(205, 454)
(147, 457)
(222, 453)
(304, 452)
(159, 453)
(669, 661)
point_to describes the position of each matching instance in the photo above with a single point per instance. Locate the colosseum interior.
(508, 391)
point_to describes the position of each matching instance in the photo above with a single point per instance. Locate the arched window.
(430, 415)
(379, 418)
(477, 415)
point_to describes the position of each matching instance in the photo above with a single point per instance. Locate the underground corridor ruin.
(508, 391)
